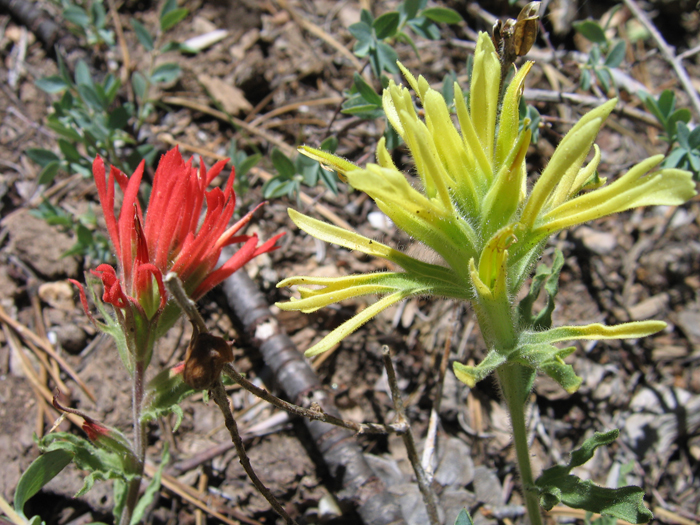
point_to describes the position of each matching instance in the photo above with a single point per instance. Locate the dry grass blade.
(41, 389)
(191, 496)
(198, 106)
(46, 346)
(317, 31)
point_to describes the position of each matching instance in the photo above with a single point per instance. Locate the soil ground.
(638, 265)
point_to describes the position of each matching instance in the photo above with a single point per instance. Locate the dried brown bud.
(205, 358)
(514, 38)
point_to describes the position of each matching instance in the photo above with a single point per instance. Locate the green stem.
(137, 393)
(516, 382)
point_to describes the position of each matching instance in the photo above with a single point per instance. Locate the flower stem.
(137, 392)
(516, 382)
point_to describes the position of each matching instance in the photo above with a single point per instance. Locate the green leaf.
(49, 172)
(69, 151)
(666, 102)
(308, 169)
(100, 464)
(680, 115)
(168, 6)
(98, 14)
(591, 30)
(366, 90)
(245, 165)
(549, 279)
(140, 85)
(406, 39)
(384, 58)
(464, 518)
(604, 77)
(77, 15)
(276, 187)
(442, 14)
(42, 470)
(550, 360)
(363, 33)
(366, 17)
(386, 25)
(142, 34)
(408, 10)
(425, 27)
(165, 73)
(556, 485)
(41, 156)
(118, 118)
(52, 84)
(675, 159)
(82, 74)
(172, 18)
(616, 54)
(694, 137)
(152, 490)
(330, 179)
(330, 144)
(282, 164)
(683, 135)
(585, 79)
(471, 375)
(164, 394)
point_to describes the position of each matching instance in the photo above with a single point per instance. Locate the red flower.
(173, 236)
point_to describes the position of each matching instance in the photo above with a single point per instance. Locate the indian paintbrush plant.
(475, 210)
(176, 237)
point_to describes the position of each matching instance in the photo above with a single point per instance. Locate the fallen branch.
(338, 446)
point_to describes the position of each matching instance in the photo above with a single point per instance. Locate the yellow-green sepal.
(328, 160)
(633, 330)
(550, 360)
(354, 241)
(349, 326)
(471, 375)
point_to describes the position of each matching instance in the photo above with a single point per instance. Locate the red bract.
(173, 236)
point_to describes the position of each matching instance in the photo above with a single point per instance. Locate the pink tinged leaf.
(242, 256)
(126, 223)
(105, 192)
(268, 246)
(83, 300)
(94, 430)
(170, 219)
(113, 293)
(149, 269)
(224, 239)
(215, 170)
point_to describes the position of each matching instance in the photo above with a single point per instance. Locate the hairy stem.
(132, 496)
(516, 382)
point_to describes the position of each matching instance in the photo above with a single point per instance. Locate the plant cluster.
(473, 208)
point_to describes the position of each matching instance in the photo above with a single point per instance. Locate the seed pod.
(514, 38)
(205, 359)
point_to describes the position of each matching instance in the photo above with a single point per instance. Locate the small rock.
(598, 242)
(689, 321)
(40, 246)
(72, 338)
(453, 501)
(385, 469)
(649, 307)
(58, 294)
(456, 467)
(487, 487)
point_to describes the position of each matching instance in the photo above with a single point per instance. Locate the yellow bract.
(472, 208)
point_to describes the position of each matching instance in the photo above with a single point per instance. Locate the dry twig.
(410, 442)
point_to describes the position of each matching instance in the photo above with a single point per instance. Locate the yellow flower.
(473, 209)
